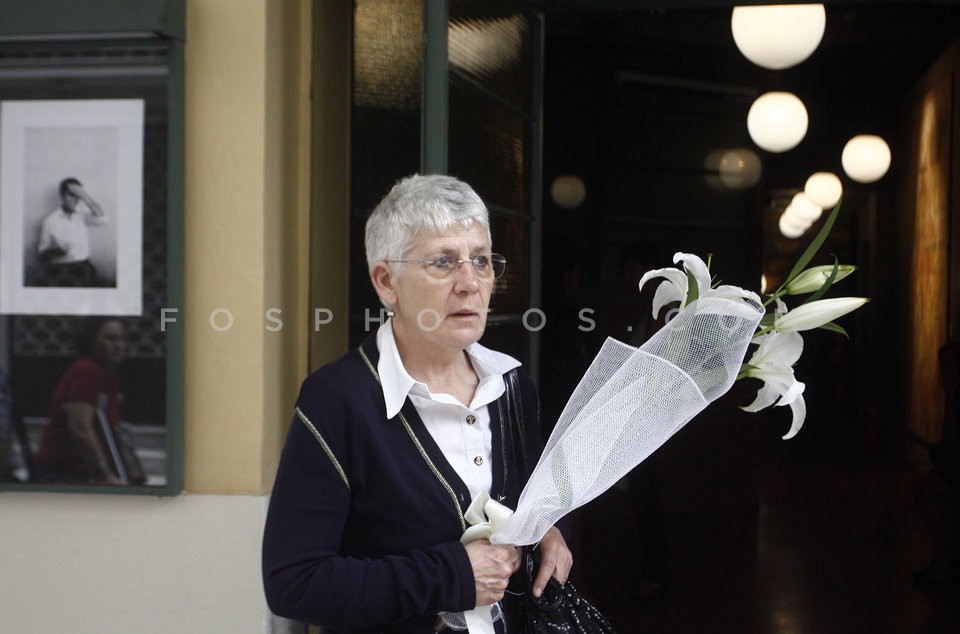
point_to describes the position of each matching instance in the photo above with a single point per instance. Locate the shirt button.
(478, 461)
(471, 419)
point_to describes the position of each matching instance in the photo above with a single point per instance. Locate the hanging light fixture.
(804, 210)
(732, 168)
(789, 226)
(778, 36)
(824, 189)
(568, 191)
(740, 168)
(799, 216)
(866, 158)
(777, 121)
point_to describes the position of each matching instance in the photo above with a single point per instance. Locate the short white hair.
(417, 205)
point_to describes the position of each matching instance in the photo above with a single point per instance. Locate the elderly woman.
(391, 442)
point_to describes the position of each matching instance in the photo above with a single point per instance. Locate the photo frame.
(98, 143)
(91, 127)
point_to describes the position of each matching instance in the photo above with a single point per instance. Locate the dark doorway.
(637, 97)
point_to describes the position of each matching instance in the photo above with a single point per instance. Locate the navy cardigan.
(363, 528)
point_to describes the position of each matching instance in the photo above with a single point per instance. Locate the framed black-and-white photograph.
(71, 206)
(91, 378)
(91, 252)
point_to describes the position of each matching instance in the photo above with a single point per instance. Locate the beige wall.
(246, 231)
(190, 563)
(94, 564)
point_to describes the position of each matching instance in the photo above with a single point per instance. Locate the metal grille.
(386, 52)
(489, 43)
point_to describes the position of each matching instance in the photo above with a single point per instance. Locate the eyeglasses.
(486, 266)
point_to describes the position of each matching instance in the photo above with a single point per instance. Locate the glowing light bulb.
(804, 209)
(789, 227)
(732, 168)
(568, 191)
(866, 158)
(824, 189)
(777, 121)
(778, 36)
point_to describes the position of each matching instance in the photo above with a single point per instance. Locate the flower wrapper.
(628, 403)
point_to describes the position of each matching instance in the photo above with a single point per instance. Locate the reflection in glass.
(386, 52)
(82, 440)
(47, 376)
(490, 45)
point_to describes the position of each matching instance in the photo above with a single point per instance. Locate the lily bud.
(813, 278)
(815, 314)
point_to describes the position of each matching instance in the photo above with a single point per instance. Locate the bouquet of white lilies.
(632, 400)
(778, 339)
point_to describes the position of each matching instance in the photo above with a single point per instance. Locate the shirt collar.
(397, 383)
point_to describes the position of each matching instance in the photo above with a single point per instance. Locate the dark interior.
(637, 95)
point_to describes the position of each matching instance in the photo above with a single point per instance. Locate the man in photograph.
(64, 245)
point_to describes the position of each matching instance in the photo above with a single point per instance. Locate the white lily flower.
(676, 286)
(815, 314)
(674, 289)
(779, 307)
(772, 362)
(813, 278)
(729, 291)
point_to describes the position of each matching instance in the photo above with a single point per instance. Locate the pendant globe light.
(732, 168)
(777, 121)
(866, 158)
(804, 210)
(568, 191)
(789, 226)
(740, 168)
(778, 36)
(823, 189)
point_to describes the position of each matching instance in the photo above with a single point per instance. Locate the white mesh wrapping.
(629, 402)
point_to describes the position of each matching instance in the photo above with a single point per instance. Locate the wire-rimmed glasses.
(486, 265)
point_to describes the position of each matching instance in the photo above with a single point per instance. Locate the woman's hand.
(556, 560)
(492, 567)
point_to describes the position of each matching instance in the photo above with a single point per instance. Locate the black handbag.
(561, 608)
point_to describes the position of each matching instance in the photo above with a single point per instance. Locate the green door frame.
(434, 130)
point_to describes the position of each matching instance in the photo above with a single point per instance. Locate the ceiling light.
(866, 158)
(568, 191)
(732, 168)
(824, 189)
(804, 210)
(777, 121)
(778, 36)
(789, 227)
(739, 168)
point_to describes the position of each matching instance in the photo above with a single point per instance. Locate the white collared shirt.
(68, 232)
(462, 432)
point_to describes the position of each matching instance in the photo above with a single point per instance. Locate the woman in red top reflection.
(81, 442)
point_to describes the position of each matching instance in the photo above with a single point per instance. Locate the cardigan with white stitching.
(363, 528)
